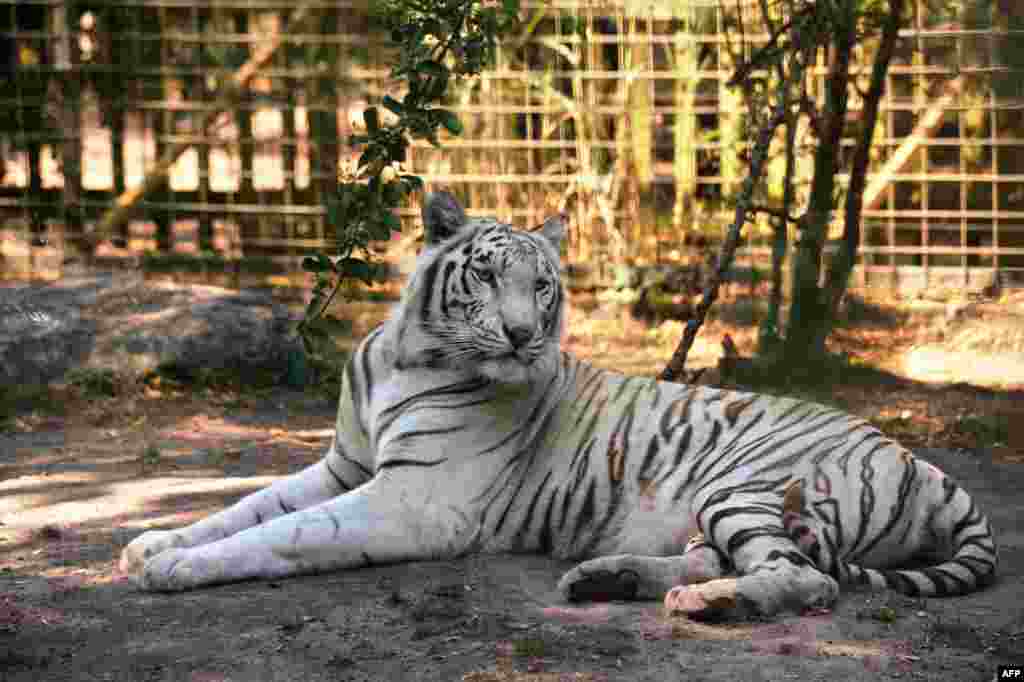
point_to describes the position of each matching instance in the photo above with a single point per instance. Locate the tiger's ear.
(442, 217)
(553, 230)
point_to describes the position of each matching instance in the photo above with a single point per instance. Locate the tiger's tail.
(972, 564)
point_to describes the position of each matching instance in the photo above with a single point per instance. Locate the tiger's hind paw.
(706, 600)
(637, 576)
(598, 584)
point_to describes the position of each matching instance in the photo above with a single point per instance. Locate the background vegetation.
(606, 104)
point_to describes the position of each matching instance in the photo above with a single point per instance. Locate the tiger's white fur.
(462, 427)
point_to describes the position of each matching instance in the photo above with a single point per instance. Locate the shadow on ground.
(67, 614)
(79, 479)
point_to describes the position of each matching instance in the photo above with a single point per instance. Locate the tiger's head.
(484, 296)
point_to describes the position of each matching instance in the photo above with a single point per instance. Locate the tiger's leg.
(387, 520)
(773, 574)
(334, 475)
(634, 576)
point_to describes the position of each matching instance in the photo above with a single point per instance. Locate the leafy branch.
(435, 40)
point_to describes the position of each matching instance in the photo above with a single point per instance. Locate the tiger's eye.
(485, 276)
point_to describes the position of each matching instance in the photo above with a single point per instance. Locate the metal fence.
(627, 124)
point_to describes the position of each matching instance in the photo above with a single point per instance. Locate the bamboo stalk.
(231, 94)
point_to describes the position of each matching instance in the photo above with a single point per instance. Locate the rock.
(116, 320)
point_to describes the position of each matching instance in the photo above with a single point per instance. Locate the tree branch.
(804, 332)
(777, 213)
(810, 109)
(764, 53)
(677, 363)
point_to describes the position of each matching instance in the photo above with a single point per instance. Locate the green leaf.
(345, 197)
(372, 120)
(432, 68)
(317, 263)
(357, 268)
(394, 192)
(307, 345)
(369, 156)
(437, 87)
(328, 88)
(450, 121)
(413, 181)
(415, 83)
(431, 26)
(393, 105)
(396, 148)
(316, 301)
(334, 212)
(489, 19)
(379, 229)
(359, 193)
(392, 221)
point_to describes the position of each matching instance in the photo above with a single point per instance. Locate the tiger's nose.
(518, 335)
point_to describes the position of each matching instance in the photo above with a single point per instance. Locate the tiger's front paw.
(145, 547)
(172, 570)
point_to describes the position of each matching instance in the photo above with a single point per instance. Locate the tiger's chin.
(513, 369)
(507, 370)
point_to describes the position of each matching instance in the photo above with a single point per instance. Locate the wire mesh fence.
(614, 110)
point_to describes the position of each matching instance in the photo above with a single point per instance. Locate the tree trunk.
(843, 262)
(808, 319)
(769, 335)
(36, 223)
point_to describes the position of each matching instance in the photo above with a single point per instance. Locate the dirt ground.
(77, 484)
(73, 495)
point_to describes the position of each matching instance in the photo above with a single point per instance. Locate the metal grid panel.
(631, 129)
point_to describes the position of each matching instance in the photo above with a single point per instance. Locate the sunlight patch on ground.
(25, 510)
(931, 364)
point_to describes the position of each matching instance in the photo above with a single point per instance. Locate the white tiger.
(463, 428)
